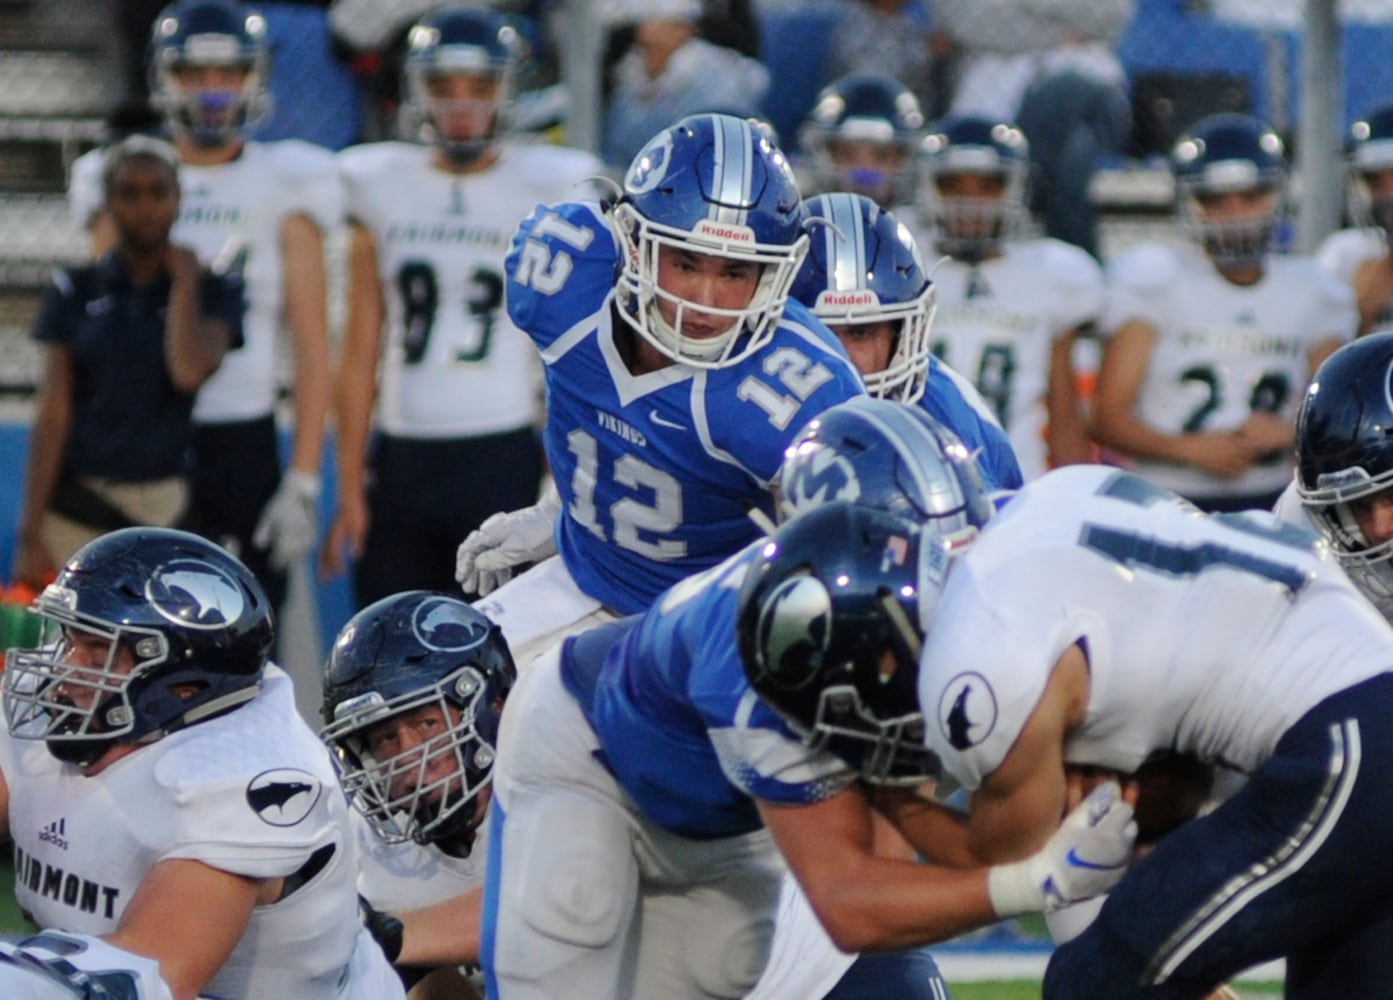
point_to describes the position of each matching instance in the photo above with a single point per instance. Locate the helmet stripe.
(732, 170)
(846, 253)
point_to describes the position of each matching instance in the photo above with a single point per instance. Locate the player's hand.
(347, 535)
(290, 523)
(1086, 857)
(486, 559)
(1226, 454)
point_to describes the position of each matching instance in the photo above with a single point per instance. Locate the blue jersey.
(954, 402)
(656, 471)
(680, 728)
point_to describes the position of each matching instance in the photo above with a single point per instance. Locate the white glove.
(1068, 922)
(485, 560)
(289, 525)
(1086, 857)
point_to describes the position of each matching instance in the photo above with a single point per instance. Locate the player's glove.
(1087, 855)
(486, 559)
(290, 523)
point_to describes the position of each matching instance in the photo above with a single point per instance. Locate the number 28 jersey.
(1223, 351)
(454, 365)
(656, 471)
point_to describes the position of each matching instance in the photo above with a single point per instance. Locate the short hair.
(137, 147)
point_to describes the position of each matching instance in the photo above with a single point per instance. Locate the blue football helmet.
(1370, 153)
(460, 41)
(1223, 154)
(860, 137)
(189, 628)
(890, 456)
(191, 34)
(716, 185)
(863, 266)
(1344, 455)
(405, 653)
(831, 623)
(967, 228)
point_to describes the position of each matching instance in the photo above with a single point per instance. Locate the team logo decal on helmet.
(284, 796)
(828, 476)
(967, 710)
(438, 626)
(795, 628)
(650, 166)
(195, 594)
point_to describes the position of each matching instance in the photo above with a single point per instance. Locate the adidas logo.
(56, 833)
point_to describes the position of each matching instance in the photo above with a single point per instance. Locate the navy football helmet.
(189, 630)
(712, 184)
(967, 228)
(1371, 153)
(191, 34)
(402, 654)
(860, 137)
(1222, 154)
(863, 266)
(882, 454)
(53, 965)
(1344, 455)
(831, 623)
(460, 41)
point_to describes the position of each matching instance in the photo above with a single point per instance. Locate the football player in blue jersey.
(865, 278)
(677, 371)
(645, 742)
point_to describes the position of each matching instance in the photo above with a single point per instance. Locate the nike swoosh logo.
(661, 422)
(1078, 862)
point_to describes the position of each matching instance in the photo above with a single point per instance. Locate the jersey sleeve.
(762, 758)
(1338, 311)
(1136, 287)
(560, 267)
(312, 181)
(1076, 281)
(1343, 253)
(54, 324)
(955, 402)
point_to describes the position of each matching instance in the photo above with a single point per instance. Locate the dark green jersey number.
(1269, 395)
(996, 374)
(420, 297)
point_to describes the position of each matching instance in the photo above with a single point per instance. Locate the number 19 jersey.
(656, 471)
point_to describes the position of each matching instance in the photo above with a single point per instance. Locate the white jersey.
(1223, 351)
(253, 793)
(231, 215)
(454, 363)
(997, 323)
(1207, 635)
(397, 877)
(1345, 253)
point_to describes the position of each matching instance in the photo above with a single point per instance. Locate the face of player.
(1237, 206)
(868, 168)
(985, 190)
(212, 92)
(404, 738)
(870, 345)
(703, 280)
(462, 105)
(89, 660)
(1374, 515)
(144, 202)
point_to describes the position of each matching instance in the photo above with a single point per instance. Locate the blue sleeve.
(566, 248)
(995, 457)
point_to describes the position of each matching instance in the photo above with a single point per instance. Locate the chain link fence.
(1181, 59)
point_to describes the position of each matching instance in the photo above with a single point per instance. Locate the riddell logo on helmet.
(847, 299)
(737, 234)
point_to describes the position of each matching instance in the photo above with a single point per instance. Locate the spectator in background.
(1210, 344)
(1051, 67)
(428, 344)
(128, 340)
(669, 72)
(890, 37)
(1361, 256)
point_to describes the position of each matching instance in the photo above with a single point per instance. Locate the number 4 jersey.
(1223, 351)
(657, 470)
(1207, 635)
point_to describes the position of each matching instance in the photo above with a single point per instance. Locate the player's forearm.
(446, 933)
(47, 444)
(308, 319)
(1124, 431)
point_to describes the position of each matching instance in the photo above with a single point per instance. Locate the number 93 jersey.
(1209, 635)
(454, 365)
(656, 471)
(1223, 351)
